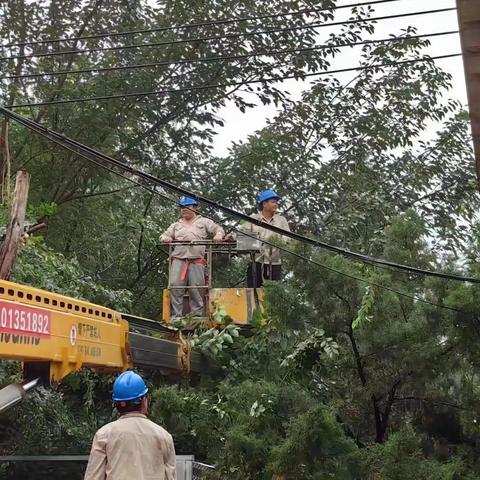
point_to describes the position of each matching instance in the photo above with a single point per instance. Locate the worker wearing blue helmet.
(268, 263)
(132, 446)
(187, 202)
(188, 264)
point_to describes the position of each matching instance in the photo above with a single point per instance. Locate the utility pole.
(8, 250)
(469, 22)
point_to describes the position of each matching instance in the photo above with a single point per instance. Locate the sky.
(238, 125)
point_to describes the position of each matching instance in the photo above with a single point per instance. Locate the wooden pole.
(8, 250)
(469, 22)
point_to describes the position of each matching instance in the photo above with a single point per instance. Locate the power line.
(227, 85)
(102, 158)
(360, 279)
(225, 36)
(290, 252)
(195, 25)
(228, 57)
(302, 257)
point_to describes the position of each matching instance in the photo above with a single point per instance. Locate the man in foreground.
(132, 447)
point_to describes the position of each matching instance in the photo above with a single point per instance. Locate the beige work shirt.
(268, 254)
(132, 447)
(200, 229)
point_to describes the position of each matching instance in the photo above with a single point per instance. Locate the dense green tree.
(340, 377)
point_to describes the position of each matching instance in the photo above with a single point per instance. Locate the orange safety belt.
(188, 262)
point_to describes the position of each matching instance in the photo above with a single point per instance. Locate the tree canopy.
(353, 371)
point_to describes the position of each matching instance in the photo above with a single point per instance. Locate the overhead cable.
(227, 57)
(197, 24)
(154, 191)
(356, 278)
(111, 162)
(225, 36)
(227, 85)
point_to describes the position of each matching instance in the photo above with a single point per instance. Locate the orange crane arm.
(54, 335)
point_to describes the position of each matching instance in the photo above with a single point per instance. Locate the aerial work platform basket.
(235, 304)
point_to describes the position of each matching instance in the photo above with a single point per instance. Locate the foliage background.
(346, 380)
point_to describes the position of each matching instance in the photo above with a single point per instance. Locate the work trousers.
(195, 276)
(262, 272)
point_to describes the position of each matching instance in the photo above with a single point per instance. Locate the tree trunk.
(8, 250)
(380, 424)
(382, 418)
(4, 162)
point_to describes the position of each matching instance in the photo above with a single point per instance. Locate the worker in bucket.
(132, 447)
(268, 263)
(188, 263)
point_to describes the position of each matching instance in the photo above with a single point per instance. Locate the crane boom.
(54, 335)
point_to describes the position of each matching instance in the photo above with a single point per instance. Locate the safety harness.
(189, 261)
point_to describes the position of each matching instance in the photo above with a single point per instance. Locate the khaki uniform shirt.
(132, 448)
(268, 254)
(200, 229)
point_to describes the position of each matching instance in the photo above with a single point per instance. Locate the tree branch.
(426, 400)
(142, 232)
(357, 356)
(97, 194)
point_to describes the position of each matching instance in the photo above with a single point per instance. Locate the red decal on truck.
(20, 319)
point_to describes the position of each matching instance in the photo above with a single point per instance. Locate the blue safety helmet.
(187, 202)
(128, 386)
(268, 195)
